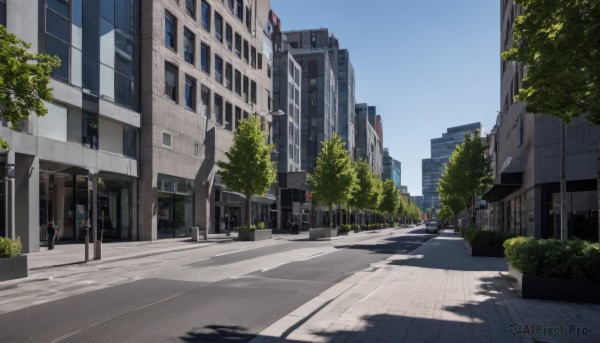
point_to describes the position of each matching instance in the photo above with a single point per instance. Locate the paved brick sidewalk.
(436, 294)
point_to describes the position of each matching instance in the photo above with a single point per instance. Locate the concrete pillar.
(134, 209)
(27, 205)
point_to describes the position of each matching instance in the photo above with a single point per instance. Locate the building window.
(57, 36)
(196, 150)
(189, 42)
(238, 45)
(205, 15)
(171, 81)
(218, 27)
(228, 76)
(205, 102)
(229, 37)
(231, 5)
(245, 91)
(249, 19)
(219, 109)
(190, 8)
(3, 12)
(89, 137)
(240, 10)
(130, 141)
(228, 115)
(253, 92)
(190, 93)
(218, 69)
(170, 31)
(205, 58)
(238, 82)
(246, 51)
(238, 116)
(253, 57)
(166, 139)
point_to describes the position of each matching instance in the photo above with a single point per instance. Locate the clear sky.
(426, 64)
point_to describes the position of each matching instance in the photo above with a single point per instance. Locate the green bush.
(261, 226)
(344, 228)
(10, 248)
(250, 228)
(486, 238)
(551, 258)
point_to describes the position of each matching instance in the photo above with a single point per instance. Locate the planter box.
(343, 233)
(257, 235)
(535, 287)
(322, 233)
(13, 268)
(486, 251)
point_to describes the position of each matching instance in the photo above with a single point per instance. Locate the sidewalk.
(438, 293)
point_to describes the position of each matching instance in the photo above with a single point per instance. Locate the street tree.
(334, 178)
(250, 169)
(376, 194)
(558, 42)
(24, 79)
(390, 198)
(363, 192)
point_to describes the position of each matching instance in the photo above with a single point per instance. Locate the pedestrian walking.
(295, 231)
(52, 233)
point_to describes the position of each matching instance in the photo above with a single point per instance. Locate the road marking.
(235, 252)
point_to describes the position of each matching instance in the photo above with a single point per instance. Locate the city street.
(221, 291)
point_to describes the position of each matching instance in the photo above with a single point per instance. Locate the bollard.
(86, 232)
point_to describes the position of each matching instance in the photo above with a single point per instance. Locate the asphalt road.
(178, 306)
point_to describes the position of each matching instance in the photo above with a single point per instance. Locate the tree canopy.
(250, 170)
(362, 193)
(390, 198)
(334, 178)
(559, 44)
(24, 79)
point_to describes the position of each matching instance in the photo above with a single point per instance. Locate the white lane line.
(235, 252)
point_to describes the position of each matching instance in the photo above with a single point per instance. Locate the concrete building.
(321, 39)
(205, 69)
(80, 162)
(418, 200)
(525, 151)
(441, 150)
(369, 148)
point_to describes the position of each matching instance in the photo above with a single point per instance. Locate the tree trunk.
(564, 228)
(249, 207)
(330, 215)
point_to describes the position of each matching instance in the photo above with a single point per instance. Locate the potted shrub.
(254, 233)
(553, 269)
(13, 265)
(486, 242)
(343, 230)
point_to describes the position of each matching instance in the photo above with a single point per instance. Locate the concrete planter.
(322, 233)
(535, 287)
(13, 268)
(486, 251)
(257, 235)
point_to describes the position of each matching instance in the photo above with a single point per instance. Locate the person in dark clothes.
(51, 228)
(295, 231)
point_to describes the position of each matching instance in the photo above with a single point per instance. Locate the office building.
(369, 147)
(441, 150)
(391, 168)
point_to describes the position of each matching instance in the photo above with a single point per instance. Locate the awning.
(504, 185)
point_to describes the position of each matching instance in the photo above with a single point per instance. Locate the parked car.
(432, 227)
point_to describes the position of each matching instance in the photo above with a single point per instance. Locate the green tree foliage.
(559, 43)
(334, 178)
(24, 79)
(376, 194)
(466, 175)
(250, 170)
(362, 193)
(390, 198)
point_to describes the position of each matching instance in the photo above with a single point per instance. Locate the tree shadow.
(218, 333)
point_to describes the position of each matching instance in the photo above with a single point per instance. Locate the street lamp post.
(277, 113)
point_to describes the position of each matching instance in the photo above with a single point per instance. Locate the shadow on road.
(218, 333)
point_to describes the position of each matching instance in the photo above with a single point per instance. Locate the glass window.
(3, 12)
(228, 76)
(55, 47)
(123, 90)
(229, 37)
(166, 139)
(206, 15)
(218, 69)
(219, 109)
(205, 58)
(253, 57)
(238, 116)
(130, 141)
(171, 81)
(190, 93)
(231, 5)
(245, 96)
(253, 92)
(246, 51)
(189, 42)
(240, 10)
(190, 8)
(170, 31)
(60, 6)
(248, 18)
(89, 131)
(107, 10)
(205, 102)
(228, 115)
(218, 27)
(57, 25)
(238, 82)
(238, 45)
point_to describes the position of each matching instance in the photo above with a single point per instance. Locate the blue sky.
(426, 64)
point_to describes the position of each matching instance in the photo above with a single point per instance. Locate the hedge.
(486, 238)
(10, 248)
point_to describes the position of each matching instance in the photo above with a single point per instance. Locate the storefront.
(65, 197)
(175, 206)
